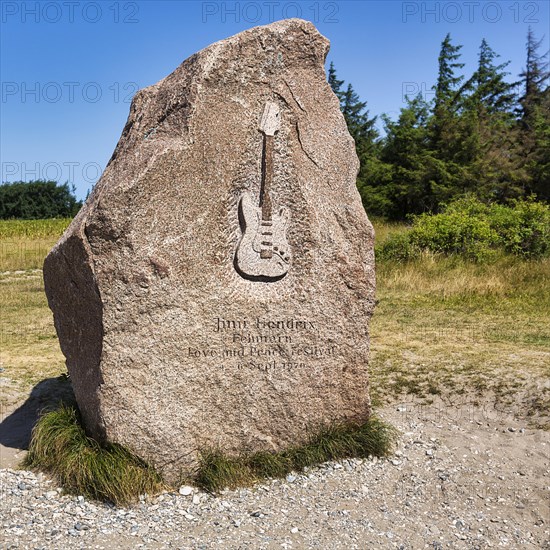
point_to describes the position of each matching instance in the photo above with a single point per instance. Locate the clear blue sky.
(69, 69)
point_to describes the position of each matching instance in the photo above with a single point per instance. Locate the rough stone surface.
(171, 349)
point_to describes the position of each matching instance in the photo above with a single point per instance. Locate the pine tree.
(534, 77)
(491, 161)
(447, 88)
(491, 93)
(445, 141)
(360, 126)
(335, 84)
(535, 119)
(407, 178)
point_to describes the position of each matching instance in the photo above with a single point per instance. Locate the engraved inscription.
(265, 344)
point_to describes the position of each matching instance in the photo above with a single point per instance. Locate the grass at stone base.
(109, 472)
(81, 465)
(375, 437)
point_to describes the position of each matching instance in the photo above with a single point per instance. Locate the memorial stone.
(216, 288)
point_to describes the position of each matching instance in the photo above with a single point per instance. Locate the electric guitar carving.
(263, 253)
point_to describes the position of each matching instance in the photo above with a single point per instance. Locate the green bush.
(398, 247)
(523, 229)
(454, 233)
(476, 231)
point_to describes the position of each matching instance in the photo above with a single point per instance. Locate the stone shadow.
(16, 427)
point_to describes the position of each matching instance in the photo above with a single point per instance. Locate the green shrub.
(398, 247)
(523, 228)
(475, 231)
(454, 233)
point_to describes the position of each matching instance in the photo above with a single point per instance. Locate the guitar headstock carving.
(271, 119)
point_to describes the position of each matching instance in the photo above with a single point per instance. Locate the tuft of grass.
(218, 471)
(82, 466)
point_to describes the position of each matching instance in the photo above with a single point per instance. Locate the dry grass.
(29, 350)
(25, 243)
(454, 329)
(33, 229)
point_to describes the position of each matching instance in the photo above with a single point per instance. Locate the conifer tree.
(491, 92)
(535, 119)
(335, 84)
(408, 178)
(492, 165)
(360, 125)
(534, 77)
(445, 139)
(447, 87)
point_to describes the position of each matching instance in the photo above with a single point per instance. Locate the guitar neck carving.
(267, 177)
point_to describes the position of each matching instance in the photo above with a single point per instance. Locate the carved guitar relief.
(263, 253)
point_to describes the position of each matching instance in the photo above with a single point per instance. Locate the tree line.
(38, 199)
(482, 136)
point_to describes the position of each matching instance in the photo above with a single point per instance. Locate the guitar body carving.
(263, 252)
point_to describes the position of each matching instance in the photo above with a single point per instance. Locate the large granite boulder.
(216, 288)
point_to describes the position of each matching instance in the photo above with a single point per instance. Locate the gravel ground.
(464, 477)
